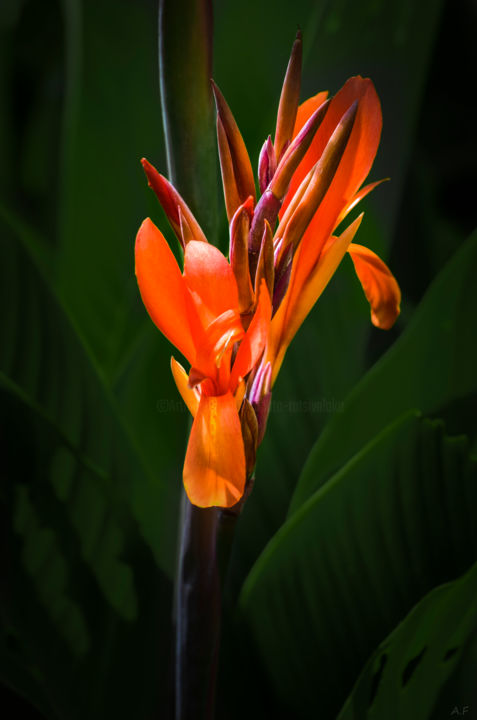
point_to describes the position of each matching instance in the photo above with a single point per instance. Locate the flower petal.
(253, 344)
(164, 292)
(379, 285)
(289, 317)
(189, 395)
(214, 468)
(211, 281)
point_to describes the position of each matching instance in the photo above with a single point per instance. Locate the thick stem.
(204, 546)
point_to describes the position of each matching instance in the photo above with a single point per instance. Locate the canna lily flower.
(233, 321)
(198, 311)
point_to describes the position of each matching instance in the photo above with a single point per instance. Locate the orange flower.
(283, 252)
(198, 311)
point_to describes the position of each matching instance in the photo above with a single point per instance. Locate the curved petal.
(288, 319)
(210, 280)
(164, 292)
(214, 468)
(189, 395)
(253, 344)
(379, 285)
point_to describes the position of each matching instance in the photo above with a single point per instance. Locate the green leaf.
(405, 676)
(394, 522)
(86, 592)
(432, 364)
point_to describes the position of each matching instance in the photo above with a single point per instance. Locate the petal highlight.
(379, 285)
(214, 468)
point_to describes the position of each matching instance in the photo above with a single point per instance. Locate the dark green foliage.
(339, 561)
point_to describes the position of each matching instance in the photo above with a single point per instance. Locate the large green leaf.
(86, 593)
(394, 522)
(432, 364)
(407, 673)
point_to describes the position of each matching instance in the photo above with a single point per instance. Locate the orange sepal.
(164, 292)
(214, 468)
(379, 285)
(189, 395)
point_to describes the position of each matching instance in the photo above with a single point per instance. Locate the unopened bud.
(282, 278)
(260, 397)
(265, 267)
(289, 98)
(266, 209)
(237, 174)
(239, 230)
(267, 164)
(295, 153)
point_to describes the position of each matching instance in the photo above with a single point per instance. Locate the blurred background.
(92, 430)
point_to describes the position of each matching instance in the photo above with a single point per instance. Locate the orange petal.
(289, 317)
(214, 468)
(379, 285)
(253, 344)
(190, 396)
(172, 203)
(164, 292)
(211, 281)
